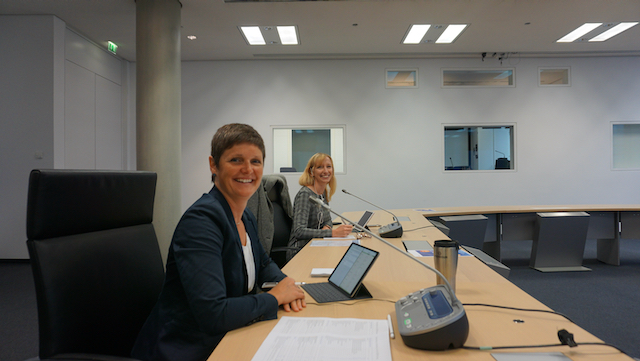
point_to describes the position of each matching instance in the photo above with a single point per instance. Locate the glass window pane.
(554, 76)
(293, 146)
(478, 77)
(405, 78)
(478, 147)
(307, 142)
(626, 146)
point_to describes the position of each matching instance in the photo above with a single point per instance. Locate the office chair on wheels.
(273, 210)
(281, 251)
(95, 259)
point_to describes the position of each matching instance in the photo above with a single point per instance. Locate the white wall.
(94, 126)
(62, 107)
(31, 48)
(395, 136)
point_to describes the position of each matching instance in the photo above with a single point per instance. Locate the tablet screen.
(352, 268)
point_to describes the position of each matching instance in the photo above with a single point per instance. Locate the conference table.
(607, 223)
(394, 275)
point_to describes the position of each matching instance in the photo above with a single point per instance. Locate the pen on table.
(268, 285)
(393, 335)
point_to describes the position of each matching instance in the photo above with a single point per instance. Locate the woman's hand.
(342, 231)
(295, 306)
(289, 295)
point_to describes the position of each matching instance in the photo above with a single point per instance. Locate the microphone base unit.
(430, 319)
(393, 230)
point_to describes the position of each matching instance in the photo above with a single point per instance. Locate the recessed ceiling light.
(253, 35)
(451, 33)
(288, 35)
(579, 32)
(191, 37)
(416, 33)
(614, 31)
(263, 35)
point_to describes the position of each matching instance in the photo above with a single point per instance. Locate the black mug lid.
(446, 243)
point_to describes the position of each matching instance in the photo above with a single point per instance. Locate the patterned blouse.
(309, 218)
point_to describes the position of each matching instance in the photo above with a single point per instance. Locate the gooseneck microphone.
(362, 229)
(391, 230)
(430, 319)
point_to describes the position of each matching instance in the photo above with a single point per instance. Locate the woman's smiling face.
(239, 172)
(323, 172)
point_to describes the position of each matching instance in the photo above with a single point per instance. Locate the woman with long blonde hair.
(310, 220)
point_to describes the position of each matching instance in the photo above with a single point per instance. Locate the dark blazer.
(205, 289)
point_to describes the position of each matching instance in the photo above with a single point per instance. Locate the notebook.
(345, 282)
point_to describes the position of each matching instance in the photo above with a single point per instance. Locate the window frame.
(387, 83)
(613, 161)
(542, 68)
(512, 158)
(480, 70)
(340, 164)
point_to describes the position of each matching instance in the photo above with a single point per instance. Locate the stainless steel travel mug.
(445, 257)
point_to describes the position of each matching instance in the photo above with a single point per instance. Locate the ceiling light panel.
(579, 32)
(288, 35)
(438, 33)
(270, 35)
(253, 35)
(614, 31)
(451, 33)
(416, 33)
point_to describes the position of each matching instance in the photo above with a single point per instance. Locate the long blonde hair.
(306, 179)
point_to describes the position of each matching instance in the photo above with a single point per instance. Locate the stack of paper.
(330, 339)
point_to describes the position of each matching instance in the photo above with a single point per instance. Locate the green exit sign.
(112, 47)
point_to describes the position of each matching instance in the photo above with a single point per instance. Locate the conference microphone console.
(392, 230)
(430, 319)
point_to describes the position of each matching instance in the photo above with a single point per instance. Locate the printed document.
(326, 339)
(334, 242)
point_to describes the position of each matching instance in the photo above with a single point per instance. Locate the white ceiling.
(357, 28)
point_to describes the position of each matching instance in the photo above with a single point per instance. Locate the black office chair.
(503, 163)
(95, 259)
(281, 250)
(273, 210)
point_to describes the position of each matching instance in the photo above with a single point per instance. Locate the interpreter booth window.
(401, 78)
(501, 77)
(557, 76)
(626, 146)
(478, 147)
(293, 146)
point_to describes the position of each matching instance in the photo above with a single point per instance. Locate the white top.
(251, 266)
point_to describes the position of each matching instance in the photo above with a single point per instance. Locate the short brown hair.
(230, 135)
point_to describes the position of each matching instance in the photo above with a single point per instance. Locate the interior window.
(478, 147)
(295, 145)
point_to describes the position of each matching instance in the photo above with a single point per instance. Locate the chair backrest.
(282, 222)
(273, 210)
(503, 163)
(95, 258)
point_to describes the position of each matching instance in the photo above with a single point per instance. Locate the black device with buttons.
(430, 319)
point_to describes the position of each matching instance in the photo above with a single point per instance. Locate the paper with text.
(326, 339)
(329, 242)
